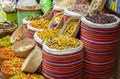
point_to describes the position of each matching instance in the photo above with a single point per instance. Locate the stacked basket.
(62, 64)
(30, 31)
(100, 42)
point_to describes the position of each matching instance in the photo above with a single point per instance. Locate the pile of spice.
(63, 42)
(48, 33)
(70, 28)
(101, 18)
(80, 8)
(27, 76)
(12, 66)
(6, 53)
(40, 24)
(7, 25)
(5, 41)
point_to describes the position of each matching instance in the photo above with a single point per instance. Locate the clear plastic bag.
(3, 17)
(27, 4)
(45, 5)
(8, 5)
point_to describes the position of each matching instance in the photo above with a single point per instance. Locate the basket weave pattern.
(100, 50)
(62, 66)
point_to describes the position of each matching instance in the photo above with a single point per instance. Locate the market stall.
(59, 39)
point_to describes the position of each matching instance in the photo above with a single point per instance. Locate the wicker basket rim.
(28, 64)
(28, 9)
(24, 42)
(11, 28)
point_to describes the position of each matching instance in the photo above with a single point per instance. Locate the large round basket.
(34, 58)
(24, 42)
(7, 31)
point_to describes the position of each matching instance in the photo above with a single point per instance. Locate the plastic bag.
(45, 5)
(8, 5)
(56, 1)
(0, 2)
(66, 3)
(3, 17)
(27, 4)
(61, 5)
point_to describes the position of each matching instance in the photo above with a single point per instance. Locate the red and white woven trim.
(101, 53)
(62, 76)
(67, 64)
(104, 63)
(97, 42)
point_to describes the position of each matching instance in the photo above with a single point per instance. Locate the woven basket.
(68, 69)
(20, 32)
(63, 58)
(98, 6)
(48, 15)
(60, 24)
(105, 75)
(99, 67)
(100, 58)
(9, 31)
(29, 33)
(37, 44)
(99, 34)
(24, 42)
(99, 37)
(76, 29)
(50, 76)
(100, 47)
(100, 29)
(34, 58)
(62, 66)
